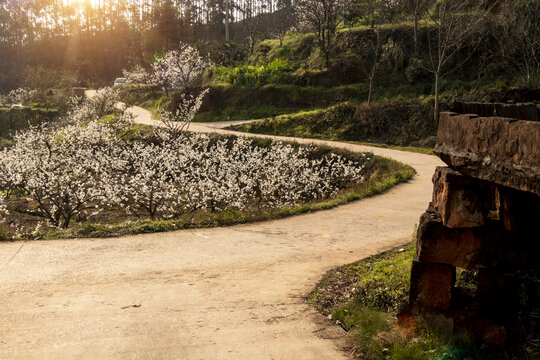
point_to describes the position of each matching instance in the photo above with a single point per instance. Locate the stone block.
(509, 250)
(524, 111)
(519, 210)
(431, 285)
(459, 200)
(439, 244)
(497, 294)
(490, 334)
(499, 150)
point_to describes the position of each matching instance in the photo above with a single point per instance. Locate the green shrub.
(12, 120)
(402, 123)
(415, 71)
(5, 233)
(248, 75)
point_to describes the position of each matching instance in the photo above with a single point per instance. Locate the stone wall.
(523, 111)
(482, 222)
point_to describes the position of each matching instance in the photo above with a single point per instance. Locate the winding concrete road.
(224, 293)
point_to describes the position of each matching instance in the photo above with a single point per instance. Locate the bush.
(248, 75)
(415, 72)
(224, 53)
(42, 79)
(13, 120)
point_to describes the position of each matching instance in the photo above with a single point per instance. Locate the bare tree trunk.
(437, 105)
(371, 78)
(417, 10)
(227, 6)
(416, 32)
(370, 90)
(327, 59)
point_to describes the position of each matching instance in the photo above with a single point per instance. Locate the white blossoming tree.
(102, 103)
(177, 68)
(16, 96)
(138, 76)
(178, 120)
(78, 170)
(61, 170)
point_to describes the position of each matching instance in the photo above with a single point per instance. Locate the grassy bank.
(13, 120)
(400, 123)
(364, 298)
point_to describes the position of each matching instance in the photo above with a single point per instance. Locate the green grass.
(150, 98)
(404, 125)
(380, 281)
(243, 113)
(296, 47)
(254, 102)
(12, 120)
(364, 297)
(386, 173)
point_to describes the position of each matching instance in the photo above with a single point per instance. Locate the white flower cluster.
(64, 170)
(175, 70)
(3, 207)
(77, 170)
(178, 120)
(16, 96)
(138, 76)
(193, 172)
(102, 103)
(179, 67)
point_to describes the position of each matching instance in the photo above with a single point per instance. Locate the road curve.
(225, 293)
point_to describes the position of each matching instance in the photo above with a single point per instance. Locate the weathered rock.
(484, 215)
(491, 334)
(518, 210)
(508, 250)
(439, 244)
(523, 111)
(460, 201)
(463, 299)
(497, 295)
(499, 150)
(431, 285)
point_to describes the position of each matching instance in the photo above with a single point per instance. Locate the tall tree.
(322, 17)
(368, 50)
(167, 23)
(454, 22)
(284, 19)
(416, 9)
(520, 42)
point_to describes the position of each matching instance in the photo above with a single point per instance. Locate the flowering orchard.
(78, 171)
(84, 168)
(16, 96)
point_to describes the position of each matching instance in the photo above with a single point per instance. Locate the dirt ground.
(224, 293)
